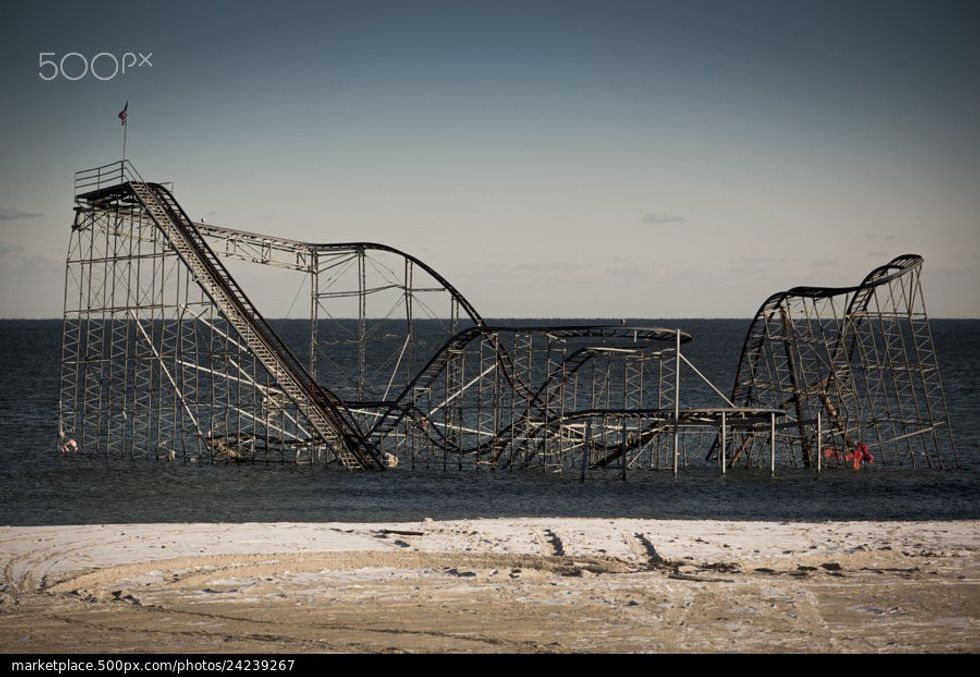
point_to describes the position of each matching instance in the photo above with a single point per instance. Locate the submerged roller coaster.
(164, 356)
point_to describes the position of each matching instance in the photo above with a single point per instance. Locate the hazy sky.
(558, 159)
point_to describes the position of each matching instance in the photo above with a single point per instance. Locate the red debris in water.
(859, 456)
(856, 457)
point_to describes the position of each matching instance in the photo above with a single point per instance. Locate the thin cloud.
(662, 218)
(13, 214)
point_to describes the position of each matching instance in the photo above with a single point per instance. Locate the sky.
(551, 159)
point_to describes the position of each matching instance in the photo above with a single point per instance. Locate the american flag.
(123, 114)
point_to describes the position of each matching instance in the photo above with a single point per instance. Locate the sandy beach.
(510, 585)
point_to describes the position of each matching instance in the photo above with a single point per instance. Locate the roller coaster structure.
(849, 365)
(164, 356)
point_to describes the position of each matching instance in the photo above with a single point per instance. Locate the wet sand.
(490, 585)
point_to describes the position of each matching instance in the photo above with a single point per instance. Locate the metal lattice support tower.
(140, 284)
(861, 358)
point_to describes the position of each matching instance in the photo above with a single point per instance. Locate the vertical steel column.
(622, 437)
(772, 445)
(677, 396)
(724, 442)
(819, 440)
(314, 308)
(361, 319)
(586, 446)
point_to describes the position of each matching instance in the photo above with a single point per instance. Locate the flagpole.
(124, 118)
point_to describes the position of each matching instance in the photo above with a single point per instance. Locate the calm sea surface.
(37, 486)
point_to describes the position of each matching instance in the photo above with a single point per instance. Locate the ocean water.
(37, 486)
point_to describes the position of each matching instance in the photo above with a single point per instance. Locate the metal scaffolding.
(848, 366)
(165, 357)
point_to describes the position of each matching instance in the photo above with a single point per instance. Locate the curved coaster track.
(848, 365)
(164, 356)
